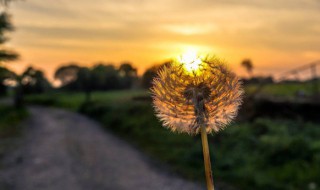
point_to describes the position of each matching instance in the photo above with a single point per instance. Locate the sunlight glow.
(191, 61)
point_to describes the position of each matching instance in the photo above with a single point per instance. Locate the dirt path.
(67, 151)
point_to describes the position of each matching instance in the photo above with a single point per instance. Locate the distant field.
(261, 154)
(288, 90)
(73, 101)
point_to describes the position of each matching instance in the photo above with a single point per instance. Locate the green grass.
(284, 90)
(10, 129)
(9, 120)
(73, 101)
(263, 154)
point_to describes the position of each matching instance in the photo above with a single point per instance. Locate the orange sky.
(275, 35)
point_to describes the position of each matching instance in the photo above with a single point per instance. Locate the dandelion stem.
(206, 158)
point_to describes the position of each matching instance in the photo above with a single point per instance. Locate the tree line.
(71, 76)
(100, 77)
(75, 78)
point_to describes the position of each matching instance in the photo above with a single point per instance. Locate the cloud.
(148, 30)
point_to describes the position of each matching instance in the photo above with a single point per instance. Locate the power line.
(311, 67)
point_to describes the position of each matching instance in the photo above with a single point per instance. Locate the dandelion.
(195, 95)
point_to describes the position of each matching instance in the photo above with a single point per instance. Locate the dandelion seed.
(197, 95)
(200, 96)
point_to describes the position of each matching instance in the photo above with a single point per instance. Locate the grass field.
(10, 129)
(284, 90)
(73, 101)
(9, 120)
(262, 154)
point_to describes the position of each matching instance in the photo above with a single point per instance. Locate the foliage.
(284, 90)
(34, 81)
(6, 26)
(29, 82)
(74, 101)
(248, 65)
(5, 54)
(150, 73)
(258, 80)
(4, 75)
(99, 77)
(105, 77)
(127, 74)
(9, 120)
(263, 154)
(10, 130)
(67, 74)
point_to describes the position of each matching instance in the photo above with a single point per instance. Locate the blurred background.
(98, 58)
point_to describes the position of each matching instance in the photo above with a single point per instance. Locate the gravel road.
(67, 151)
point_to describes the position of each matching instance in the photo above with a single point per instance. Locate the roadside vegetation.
(253, 153)
(10, 128)
(265, 153)
(285, 90)
(9, 121)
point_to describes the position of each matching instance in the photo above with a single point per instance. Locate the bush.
(9, 120)
(262, 155)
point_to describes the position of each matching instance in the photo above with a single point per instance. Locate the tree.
(105, 77)
(126, 69)
(112, 80)
(128, 74)
(75, 78)
(247, 64)
(5, 54)
(29, 82)
(67, 74)
(34, 81)
(5, 26)
(150, 73)
(5, 74)
(83, 81)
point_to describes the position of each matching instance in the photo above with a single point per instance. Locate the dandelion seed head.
(208, 94)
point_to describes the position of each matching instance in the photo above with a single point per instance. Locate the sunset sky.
(275, 35)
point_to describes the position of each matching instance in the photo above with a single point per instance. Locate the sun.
(191, 61)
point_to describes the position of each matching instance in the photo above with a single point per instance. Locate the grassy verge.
(285, 90)
(9, 120)
(262, 154)
(9, 128)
